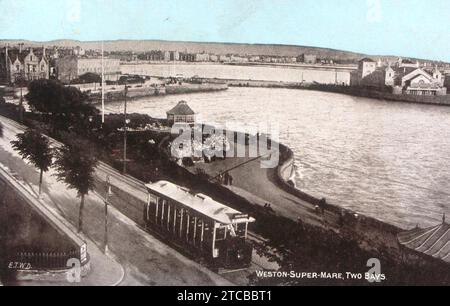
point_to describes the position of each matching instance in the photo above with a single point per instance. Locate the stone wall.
(31, 238)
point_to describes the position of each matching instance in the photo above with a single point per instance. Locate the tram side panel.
(179, 224)
(223, 245)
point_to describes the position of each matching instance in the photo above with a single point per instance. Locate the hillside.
(210, 47)
(216, 48)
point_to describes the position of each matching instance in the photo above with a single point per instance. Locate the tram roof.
(200, 203)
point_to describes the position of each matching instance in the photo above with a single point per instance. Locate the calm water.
(261, 73)
(387, 160)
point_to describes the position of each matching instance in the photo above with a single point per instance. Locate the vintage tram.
(199, 224)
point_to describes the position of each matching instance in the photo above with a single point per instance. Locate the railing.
(42, 260)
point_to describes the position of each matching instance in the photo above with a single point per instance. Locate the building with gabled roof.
(404, 77)
(23, 64)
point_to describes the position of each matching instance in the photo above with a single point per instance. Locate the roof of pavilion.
(433, 241)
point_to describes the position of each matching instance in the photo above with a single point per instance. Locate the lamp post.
(125, 122)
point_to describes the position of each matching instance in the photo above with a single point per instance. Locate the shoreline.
(366, 237)
(340, 89)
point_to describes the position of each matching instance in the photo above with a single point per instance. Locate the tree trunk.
(40, 181)
(80, 217)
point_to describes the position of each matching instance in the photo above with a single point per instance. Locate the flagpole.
(103, 83)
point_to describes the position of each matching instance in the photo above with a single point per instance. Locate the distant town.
(70, 64)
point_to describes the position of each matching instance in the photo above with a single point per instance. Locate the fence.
(41, 260)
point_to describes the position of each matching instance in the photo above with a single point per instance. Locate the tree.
(35, 147)
(75, 166)
(64, 105)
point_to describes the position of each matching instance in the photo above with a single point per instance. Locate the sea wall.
(191, 88)
(133, 93)
(381, 95)
(371, 234)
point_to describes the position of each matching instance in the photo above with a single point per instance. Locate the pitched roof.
(181, 109)
(433, 241)
(14, 54)
(199, 203)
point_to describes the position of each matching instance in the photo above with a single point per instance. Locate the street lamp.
(125, 123)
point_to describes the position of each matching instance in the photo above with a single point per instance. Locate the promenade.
(145, 260)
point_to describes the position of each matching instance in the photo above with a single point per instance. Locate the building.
(213, 58)
(224, 59)
(202, 57)
(187, 57)
(420, 82)
(25, 64)
(154, 56)
(430, 242)
(78, 51)
(307, 59)
(181, 113)
(171, 56)
(407, 63)
(72, 67)
(238, 59)
(404, 77)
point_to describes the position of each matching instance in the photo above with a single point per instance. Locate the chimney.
(20, 48)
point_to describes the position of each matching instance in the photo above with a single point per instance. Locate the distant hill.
(196, 47)
(210, 47)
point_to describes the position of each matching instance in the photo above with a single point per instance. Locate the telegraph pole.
(21, 100)
(108, 194)
(125, 131)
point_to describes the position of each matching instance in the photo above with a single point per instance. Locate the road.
(146, 260)
(259, 186)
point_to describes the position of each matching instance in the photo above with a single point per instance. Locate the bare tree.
(35, 147)
(75, 165)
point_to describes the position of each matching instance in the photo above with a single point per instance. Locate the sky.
(409, 28)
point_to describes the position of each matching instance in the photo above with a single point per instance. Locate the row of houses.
(18, 64)
(174, 56)
(401, 77)
(27, 64)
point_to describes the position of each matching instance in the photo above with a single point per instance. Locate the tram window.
(207, 232)
(191, 228)
(220, 233)
(240, 232)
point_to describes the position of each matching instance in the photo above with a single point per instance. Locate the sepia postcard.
(208, 144)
